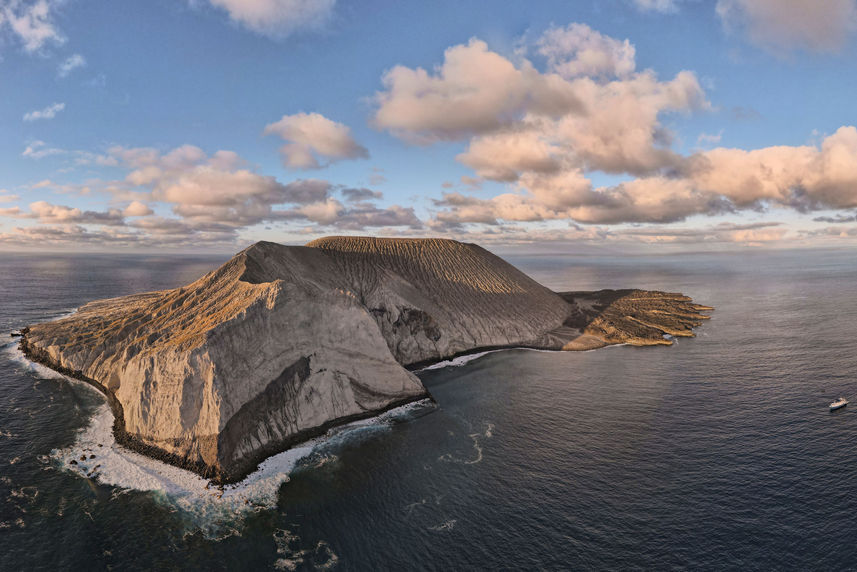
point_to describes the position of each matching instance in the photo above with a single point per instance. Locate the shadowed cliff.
(282, 342)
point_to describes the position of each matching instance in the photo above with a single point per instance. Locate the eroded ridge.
(283, 342)
(635, 317)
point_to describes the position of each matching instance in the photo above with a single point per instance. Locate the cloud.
(709, 138)
(218, 192)
(356, 195)
(48, 213)
(545, 153)
(311, 136)
(136, 208)
(70, 64)
(30, 23)
(474, 91)
(76, 236)
(806, 177)
(278, 19)
(48, 112)
(751, 233)
(213, 197)
(516, 116)
(578, 50)
(663, 6)
(709, 182)
(781, 26)
(4, 198)
(838, 219)
(365, 216)
(38, 149)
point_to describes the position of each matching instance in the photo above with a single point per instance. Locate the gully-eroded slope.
(282, 342)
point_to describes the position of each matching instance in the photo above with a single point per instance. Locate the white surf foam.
(445, 525)
(96, 455)
(486, 433)
(290, 556)
(458, 361)
(465, 359)
(66, 313)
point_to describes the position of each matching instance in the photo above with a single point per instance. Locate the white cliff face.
(281, 342)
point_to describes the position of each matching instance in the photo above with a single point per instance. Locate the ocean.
(716, 453)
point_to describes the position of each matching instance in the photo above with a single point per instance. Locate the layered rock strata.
(283, 342)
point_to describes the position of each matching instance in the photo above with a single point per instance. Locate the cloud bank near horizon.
(542, 123)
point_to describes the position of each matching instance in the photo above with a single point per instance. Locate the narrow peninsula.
(283, 342)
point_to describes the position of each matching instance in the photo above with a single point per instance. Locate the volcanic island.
(281, 343)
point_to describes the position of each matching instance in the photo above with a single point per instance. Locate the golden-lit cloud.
(312, 136)
(278, 18)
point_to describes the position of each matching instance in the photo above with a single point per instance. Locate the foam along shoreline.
(96, 455)
(127, 442)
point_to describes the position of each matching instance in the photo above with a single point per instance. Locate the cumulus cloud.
(502, 156)
(278, 18)
(70, 64)
(310, 136)
(474, 91)
(515, 132)
(48, 112)
(806, 177)
(785, 25)
(518, 118)
(30, 23)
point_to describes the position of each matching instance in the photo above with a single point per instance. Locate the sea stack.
(283, 342)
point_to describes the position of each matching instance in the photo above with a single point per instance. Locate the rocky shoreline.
(221, 478)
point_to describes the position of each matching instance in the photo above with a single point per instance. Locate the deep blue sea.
(716, 453)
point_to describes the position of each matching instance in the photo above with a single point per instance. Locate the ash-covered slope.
(282, 342)
(434, 298)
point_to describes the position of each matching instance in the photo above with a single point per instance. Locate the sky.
(595, 125)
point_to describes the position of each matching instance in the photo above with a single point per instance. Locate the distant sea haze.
(718, 452)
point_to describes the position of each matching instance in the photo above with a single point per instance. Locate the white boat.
(838, 404)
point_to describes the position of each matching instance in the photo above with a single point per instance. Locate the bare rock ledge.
(283, 342)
